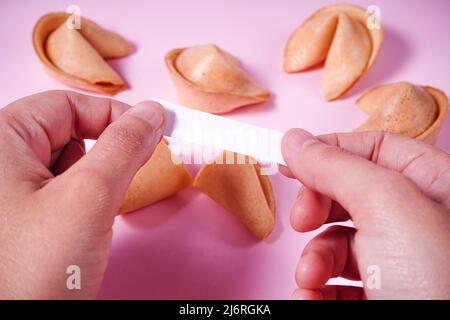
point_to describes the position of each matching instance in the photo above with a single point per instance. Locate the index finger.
(427, 166)
(355, 182)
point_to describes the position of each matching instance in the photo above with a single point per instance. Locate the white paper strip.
(222, 133)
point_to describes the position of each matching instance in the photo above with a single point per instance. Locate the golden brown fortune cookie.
(404, 108)
(209, 79)
(158, 179)
(77, 56)
(338, 35)
(242, 190)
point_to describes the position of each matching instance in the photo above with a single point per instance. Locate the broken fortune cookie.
(404, 108)
(77, 56)
(242, 190)
(337, 34)
(209, 79)
(156, 180)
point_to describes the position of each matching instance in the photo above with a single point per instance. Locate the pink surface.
(187, 246)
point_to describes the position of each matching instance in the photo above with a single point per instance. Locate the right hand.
(397, 193)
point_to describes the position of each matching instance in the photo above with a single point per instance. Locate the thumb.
(356, 183)
(123, 147)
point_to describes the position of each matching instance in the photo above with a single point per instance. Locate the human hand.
(57, 205)
(397, 193)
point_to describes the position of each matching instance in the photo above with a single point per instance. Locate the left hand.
(57, 205)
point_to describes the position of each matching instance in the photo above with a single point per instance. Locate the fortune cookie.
(209, 79)
(242, 190)
(77, 56)
(158, 179)
(403, 108)
(338, 35)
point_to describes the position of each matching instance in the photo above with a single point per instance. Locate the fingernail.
(296, 138)
(149, 111)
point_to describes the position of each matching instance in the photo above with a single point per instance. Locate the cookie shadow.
(267, 106)
(161, 212)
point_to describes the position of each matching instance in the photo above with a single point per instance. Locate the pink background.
(187, 246)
